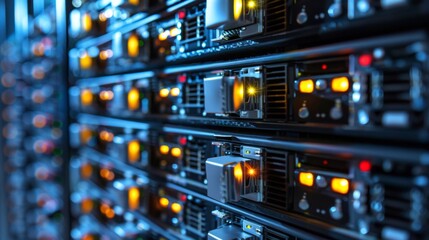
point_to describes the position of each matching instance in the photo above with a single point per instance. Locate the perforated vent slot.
(271, 234)
(194, 25)
(194, 95)
(195, 218)
(276, 178)
(396, 88)
(276, 92)
(275, 16)
(195, 156)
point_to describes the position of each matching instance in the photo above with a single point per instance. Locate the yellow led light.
(238, 173)
(174, 32)
(251, 172)
(306, 178)
(238, 9)
(176, 152)
(134, 2)
(340, 185)
(133, 99)
(106, 95)
(163, 202)
(238, 90)
(251, 91)
(133, 151)
(340, 84)
(175, 92)
(86, 97)
(306, 86)
(133, 45)
(164, 149)
(133, 198)
(251, 4)
(86, 22)
(164, 35)
(176, 207)
(164, 92)
(85, 61)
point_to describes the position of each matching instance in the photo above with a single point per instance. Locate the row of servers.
(214, 119)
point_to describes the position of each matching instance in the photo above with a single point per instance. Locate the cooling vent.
(276, 92)
(271, 234)
(396, 88)
(275, 16)
(276, 178)
(194, 27)
(194, 95)
(195, 156)
(195, 218)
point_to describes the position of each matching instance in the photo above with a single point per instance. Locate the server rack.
(245, 119)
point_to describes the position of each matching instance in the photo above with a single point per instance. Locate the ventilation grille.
(396, 88)
(195, 157)
(276, 178)
(276, 92)
(195, 25)
(275, 16)
(194, 95)
(271, 234)
(195, 218)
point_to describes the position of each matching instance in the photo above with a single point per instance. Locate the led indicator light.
(340, 185)
(163, 202)
(164, 149)
(365, 166)
(340, 84)
(306, 179)
(306, 86)
(365, 60)
(176, 152)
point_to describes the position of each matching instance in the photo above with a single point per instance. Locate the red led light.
(365, 166)
(183, 197)
(182, 141)
(365, 60)
(324, 66)
(182, 78)
(181, 14)
(325, 162)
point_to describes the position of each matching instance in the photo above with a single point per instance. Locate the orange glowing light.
(174, 92)
(176, 152)
(306, 86)
(340, 185)
(133, 45)
(133, 99)
(106, 136)
(86, 97)
(106, 95)
(164, 92)
(86, 205)
(88, 237)
(85, 61)
(306, 178)
(238, 8)
(238, 172)
(164, 149)
(251, 172)
(86, 171)
(238, 91)
(133, 151)
(107, 174)
(176, 207)
(340, 84)
(163, 202)
(86, 22)
(133, 198)
(85, 135)
(134, 2)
